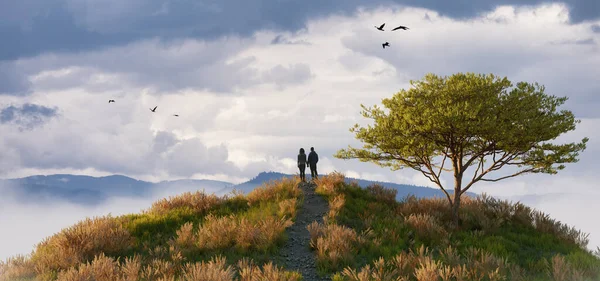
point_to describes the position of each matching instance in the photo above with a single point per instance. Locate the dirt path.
(296, 254)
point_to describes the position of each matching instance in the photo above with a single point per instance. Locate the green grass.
(514, 240)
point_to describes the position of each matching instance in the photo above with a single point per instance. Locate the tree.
(469, 120)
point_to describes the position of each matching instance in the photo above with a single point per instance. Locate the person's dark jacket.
(313, 158)
(301, 159)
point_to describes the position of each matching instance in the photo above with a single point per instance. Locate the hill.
(403, 189)
(365, 235)
(87, 190)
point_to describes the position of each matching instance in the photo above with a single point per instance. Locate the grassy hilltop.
(366, 235)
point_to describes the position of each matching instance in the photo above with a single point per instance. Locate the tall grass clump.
(80, 243)
(275, 191)
(330, 184)
(17, 268)
(198, 202)
(231, 231)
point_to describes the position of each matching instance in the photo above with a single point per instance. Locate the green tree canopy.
(469, 120)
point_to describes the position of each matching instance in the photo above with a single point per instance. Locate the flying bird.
(176, 115)
(154, 110)
(381, 27)
(400, 27)
(109, 101)
(385, 44)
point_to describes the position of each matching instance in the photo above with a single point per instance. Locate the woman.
(302, 164)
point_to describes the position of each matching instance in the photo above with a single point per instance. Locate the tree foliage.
(468, 120)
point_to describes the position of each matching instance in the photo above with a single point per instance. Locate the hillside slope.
(369, 233)
(277, 232)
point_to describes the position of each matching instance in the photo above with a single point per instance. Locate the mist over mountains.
(90, 191)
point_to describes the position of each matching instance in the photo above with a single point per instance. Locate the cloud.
(34, 27)
(191, 156)
(291, 75)
(152, 64)
(280, 39)
(588, 41)
(596, 28)
(265, 101)
(12, 80)
(27, 116)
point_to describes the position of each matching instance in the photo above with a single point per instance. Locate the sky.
(254, 81)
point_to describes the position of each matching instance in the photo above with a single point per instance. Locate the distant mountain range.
(95, 190)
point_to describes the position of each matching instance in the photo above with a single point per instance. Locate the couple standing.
(313, 158)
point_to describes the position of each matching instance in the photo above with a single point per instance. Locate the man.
(313, 158)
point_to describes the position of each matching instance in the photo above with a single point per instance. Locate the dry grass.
(199, 202)
(330, 184)
(184, 237)
(214, 270)
(80, 243)
(335, 245)
(217, 233)
(423, 266)
(230, 231)
(561, 270)
(288, 208)
(103, 268)
(448, 265)
(335, 206)
(426, 227)
(383, 194)
(17, 268)
(275, 191)
(248, 271)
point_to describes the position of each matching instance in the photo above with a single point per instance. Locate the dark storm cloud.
(27, 116)
(280, 39)
(31, 27)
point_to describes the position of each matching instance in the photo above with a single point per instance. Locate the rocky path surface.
(296, 254)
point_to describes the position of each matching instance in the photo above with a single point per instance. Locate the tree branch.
(513, 175)
(437, 179)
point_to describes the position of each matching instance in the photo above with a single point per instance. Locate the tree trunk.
(455, 208)
(456, 203)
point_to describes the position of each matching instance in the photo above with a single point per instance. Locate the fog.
(24, 224)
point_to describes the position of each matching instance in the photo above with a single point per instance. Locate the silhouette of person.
(302, 164)
(313, 158)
